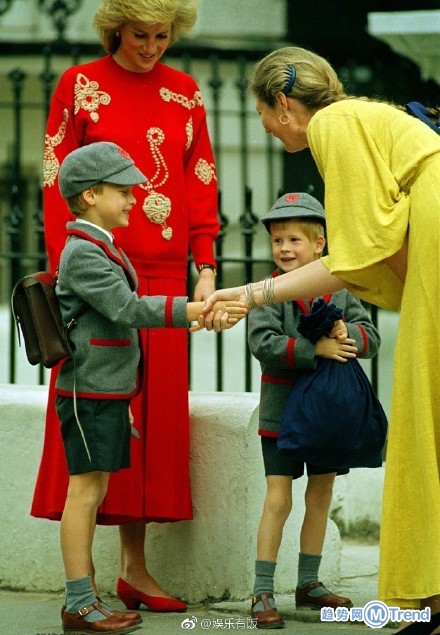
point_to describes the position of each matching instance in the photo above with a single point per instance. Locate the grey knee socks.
(308, 568)
(264, 573)
(79, 594)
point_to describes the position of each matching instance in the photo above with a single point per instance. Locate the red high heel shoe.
(132, 598)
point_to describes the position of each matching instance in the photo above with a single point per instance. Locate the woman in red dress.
(156, 113)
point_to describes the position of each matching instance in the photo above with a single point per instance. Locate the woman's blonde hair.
(112, 14)
(297, 73)
(309, 78)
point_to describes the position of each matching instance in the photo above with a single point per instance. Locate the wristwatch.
(206, 266)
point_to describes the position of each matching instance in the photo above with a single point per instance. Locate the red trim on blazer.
(169, 311)
(364, 337)
(108, 251)
(264, 433)
(98, 342)
(277, 380)
(303, 306)
(95, 395)
(290, 352)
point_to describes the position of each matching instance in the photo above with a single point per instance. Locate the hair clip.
(291, 76)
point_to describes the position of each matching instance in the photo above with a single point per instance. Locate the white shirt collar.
(87, 222)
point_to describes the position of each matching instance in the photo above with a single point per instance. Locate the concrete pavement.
(38, 614)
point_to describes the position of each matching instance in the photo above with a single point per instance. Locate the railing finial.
(59, 11)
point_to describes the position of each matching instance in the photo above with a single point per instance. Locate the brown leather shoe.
(133, 616)
(75, 623)
(303, 598)
(269, 618)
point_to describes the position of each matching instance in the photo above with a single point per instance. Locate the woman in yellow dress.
(381, 168)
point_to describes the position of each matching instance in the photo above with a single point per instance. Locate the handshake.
(221, 311)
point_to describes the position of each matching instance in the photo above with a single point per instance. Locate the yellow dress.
(381, 169)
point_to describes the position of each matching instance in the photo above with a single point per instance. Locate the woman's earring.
(117, 34)
(281, 120)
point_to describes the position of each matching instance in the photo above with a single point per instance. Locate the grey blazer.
(283, 352)
(104, 340)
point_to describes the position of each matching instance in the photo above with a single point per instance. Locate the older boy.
(95, 385)
(296, 225)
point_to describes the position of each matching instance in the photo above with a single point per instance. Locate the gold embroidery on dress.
(169, 95)
(51, 165)
(189, 133)
(205, 171)
(157, 207)
(88, 97)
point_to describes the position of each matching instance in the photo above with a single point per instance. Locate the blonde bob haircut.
(112, 14)
(311, 228)
(78, 205)
(316, 83)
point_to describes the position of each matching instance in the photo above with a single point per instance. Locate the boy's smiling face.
(291, 247)
(111, 207)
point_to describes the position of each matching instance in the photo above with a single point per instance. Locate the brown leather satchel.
(37, 315)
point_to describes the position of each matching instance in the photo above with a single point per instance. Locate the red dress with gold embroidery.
(159, 119)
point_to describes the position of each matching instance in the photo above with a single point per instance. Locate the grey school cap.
(294, 205)
(100, 162)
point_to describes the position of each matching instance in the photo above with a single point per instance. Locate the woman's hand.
(205, 285)
(235, 293)
(221, 302)
(222, 314)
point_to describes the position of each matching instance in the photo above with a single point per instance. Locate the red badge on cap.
(291, 198)
(124, 154)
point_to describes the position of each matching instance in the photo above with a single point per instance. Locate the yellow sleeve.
(367, 213)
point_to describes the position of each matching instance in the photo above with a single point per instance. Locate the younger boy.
(95, 386)
(296, 225)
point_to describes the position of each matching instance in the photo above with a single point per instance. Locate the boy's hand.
(339, 330)
(223, 315)
(134, 432)
(335, 348)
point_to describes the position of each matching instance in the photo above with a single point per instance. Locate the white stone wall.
(210, 556)
(357, 502)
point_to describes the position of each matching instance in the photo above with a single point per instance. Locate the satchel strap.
(81, 311)
(67, 327)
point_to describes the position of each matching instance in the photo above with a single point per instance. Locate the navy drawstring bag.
(333, 417)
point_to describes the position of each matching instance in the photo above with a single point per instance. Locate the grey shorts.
(106, 429)
(277, 465)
